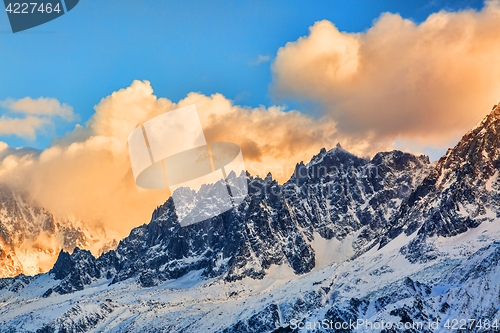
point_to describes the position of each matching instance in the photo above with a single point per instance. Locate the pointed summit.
(338, 145)
(269, 177)
(496, 110)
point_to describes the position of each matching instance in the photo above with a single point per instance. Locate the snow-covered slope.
(380, 285)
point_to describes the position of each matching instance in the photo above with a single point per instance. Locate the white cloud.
(260, 59)
(43, 106)
(38, 115)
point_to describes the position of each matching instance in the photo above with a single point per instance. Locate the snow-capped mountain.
(346, 241)
(336, 197)
(31, 237)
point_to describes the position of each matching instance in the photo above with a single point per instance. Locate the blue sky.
(179, 46)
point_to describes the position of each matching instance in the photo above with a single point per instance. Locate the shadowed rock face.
(335, 195)
(459, 194)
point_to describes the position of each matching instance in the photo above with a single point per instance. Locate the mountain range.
(345, 241)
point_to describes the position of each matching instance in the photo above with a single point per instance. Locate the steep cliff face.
(31, 237)
(343, 194)
(459, 194)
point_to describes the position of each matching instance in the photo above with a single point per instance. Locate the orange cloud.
(86, 175)
(41, 106)
(22, 127)
(425, 83)
(398, 80)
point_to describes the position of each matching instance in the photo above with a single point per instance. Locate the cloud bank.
(425, 83)
(87, 175)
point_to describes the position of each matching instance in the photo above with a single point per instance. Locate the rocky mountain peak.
(330, 212)
(458, 195)
(330, 215)
(269, 177)
(496, 110)
(63, 266)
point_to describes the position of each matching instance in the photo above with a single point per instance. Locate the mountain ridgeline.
(391, 237)
(337, 195)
